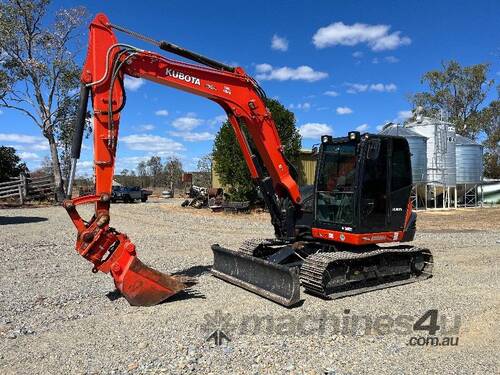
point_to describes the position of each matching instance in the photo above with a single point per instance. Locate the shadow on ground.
(194, 271)
(184, 295)
(6, 220)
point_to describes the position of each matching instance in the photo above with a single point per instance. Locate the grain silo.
(418, 150)
(469, 156)
(441, 165)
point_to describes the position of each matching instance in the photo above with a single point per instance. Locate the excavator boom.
(106, 65)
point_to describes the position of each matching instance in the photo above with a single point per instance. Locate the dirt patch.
(458, 220)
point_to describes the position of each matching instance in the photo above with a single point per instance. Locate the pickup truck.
(128, 194)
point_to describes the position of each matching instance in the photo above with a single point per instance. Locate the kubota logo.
(182, 76)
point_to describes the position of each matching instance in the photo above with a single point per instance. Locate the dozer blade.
(273, 281)
(143, 286)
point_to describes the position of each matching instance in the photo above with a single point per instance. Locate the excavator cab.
(362, 184)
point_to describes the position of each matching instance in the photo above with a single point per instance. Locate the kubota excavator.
(328, 235)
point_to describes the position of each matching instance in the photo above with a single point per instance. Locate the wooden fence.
(25, 188)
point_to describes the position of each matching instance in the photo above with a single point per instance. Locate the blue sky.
(338, 65)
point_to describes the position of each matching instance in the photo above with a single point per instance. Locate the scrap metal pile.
(213, 198)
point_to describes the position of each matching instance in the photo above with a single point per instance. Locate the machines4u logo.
(182, 76)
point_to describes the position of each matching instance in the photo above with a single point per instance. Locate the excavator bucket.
(143, 286)
(271, 280)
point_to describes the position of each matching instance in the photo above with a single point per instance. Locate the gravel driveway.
(58, 317)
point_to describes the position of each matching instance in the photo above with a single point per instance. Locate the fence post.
(21, 188)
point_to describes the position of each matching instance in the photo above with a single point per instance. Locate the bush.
(229, 163)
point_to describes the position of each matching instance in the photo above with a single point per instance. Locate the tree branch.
(25, 111)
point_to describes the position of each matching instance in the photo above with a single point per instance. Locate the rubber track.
(250, 246)
(315, 265)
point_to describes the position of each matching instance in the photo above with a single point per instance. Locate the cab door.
(386, 184)
(400, 183)
(374, 186)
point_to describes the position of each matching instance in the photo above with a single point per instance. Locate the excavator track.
(340, 274)
(257, 246)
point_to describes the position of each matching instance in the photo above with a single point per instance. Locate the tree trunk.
(56, 167)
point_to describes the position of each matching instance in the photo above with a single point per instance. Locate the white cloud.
(380, 127)
(391, 59)
(403, 115)
(377, 37)
(151, 143)
(19, 138)
(267, 72)
(161, 112)
(217, 120)
(146, 127)
(279, 43)
(188, 122)
(29, 156)
(354, 88)
(132, 83)
(314, 130)
(357, 54)
(192, 136)
(331, 93)
(387, 59)
(1, 112)
(28, 147)
(85, 163)
(380, 87)
(362, 127)
(344, 110)
(303, 106)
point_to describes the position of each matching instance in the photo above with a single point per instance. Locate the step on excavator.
(344, 235)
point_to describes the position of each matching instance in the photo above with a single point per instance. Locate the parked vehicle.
(167, 194)
(129, 194)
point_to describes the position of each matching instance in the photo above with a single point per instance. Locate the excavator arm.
(106, 65)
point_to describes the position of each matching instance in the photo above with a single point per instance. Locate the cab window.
(336, 179)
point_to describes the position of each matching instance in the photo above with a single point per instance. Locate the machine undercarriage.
(276, 269)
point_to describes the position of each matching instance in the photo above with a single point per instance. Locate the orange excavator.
(327, 235)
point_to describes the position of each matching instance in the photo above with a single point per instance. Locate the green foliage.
(10, 164)
(154, 167)
(172, 172)
(491, 127)
(205, 163)
(228, 158)
(153, 173)
(203, 177)
(458, 92)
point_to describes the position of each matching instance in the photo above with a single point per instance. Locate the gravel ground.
(58, 317)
